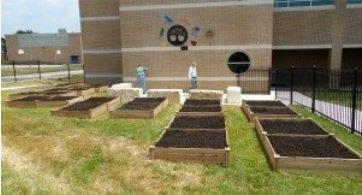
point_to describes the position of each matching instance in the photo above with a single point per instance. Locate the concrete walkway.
(342, 114)
(48, 75)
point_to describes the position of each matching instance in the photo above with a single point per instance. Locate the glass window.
(303, 3)
(354, 1)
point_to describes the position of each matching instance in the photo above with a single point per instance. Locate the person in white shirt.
(192, 74)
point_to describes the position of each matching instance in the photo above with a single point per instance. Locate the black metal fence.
(38, 70)
(335, 94)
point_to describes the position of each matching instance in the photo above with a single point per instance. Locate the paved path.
(342, 114)
(48, 75)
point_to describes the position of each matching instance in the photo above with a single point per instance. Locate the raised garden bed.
(269, 112)
(56, 91)
(141, 108)
(323, 153)
(26, 102)
(201, 106)
(209, 146)
(263, 103)
(90, 108)
(24, 94)
(58, 101)
(289, 126)
(201, 122)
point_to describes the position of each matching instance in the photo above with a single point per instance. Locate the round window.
(239, 62)
(177, 35)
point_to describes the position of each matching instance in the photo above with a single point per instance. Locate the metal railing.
(335, 94)
(16, 72)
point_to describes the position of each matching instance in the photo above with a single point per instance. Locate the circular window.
(177, 35)
(239, 62)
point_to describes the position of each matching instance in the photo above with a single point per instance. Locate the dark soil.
(206, 108)
(190, 102)
(265, 103)
(61, 98)
(143, 104)
(198, 122)
(140, 106)
(304, 127)
(310, 147)
(57, 91)
(146, 100)
(88, 104)
(193, 139)
(35, 98)
(271, 110)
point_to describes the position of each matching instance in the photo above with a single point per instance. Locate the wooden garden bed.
(26, 102)
(288, 126)
(263, 103)
(201, 106)
(315, 153)
(90, 108)
(141, 108)
(269, 112)
(208, 146)
(202, 121)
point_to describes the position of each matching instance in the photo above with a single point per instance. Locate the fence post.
(313, 90)
(83, 73)
(354, 101)
(68, 72)
(39, 72)
(291, 84)
(14, 71)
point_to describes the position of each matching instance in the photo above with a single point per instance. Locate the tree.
(4, 51)
(24, 32)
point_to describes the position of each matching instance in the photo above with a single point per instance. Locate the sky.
(42, 16)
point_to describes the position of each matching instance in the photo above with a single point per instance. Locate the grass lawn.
(44, 154)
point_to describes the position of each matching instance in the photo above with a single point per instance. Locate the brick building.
(56, 48)
(167, 35)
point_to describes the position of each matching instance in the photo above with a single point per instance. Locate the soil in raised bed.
(34, 98)
(61, 98)
(198, 122)
(193, 139)
(88, 104)
(326, 147)
(140, 106)
(298, 126)
(203, 108)
(190, 102)
(265, 103)
(147, 100)
(271, 110)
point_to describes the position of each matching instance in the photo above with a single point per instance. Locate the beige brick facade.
(45, 53)
(120, 34)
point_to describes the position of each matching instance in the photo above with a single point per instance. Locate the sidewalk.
(339, 113)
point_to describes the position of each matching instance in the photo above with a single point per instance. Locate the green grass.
(110, 156)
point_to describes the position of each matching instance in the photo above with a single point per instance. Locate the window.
(239, 62)
(354, 1)
(302, 3)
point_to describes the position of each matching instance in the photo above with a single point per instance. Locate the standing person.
(141, 77)
(192, 74)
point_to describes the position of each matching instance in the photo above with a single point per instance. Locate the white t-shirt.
(192, 72)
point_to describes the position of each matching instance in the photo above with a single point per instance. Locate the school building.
(52, 48)
(222, 36)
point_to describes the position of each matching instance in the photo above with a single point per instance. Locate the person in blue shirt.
(141, 77)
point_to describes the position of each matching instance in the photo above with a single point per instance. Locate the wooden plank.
(20, 104)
